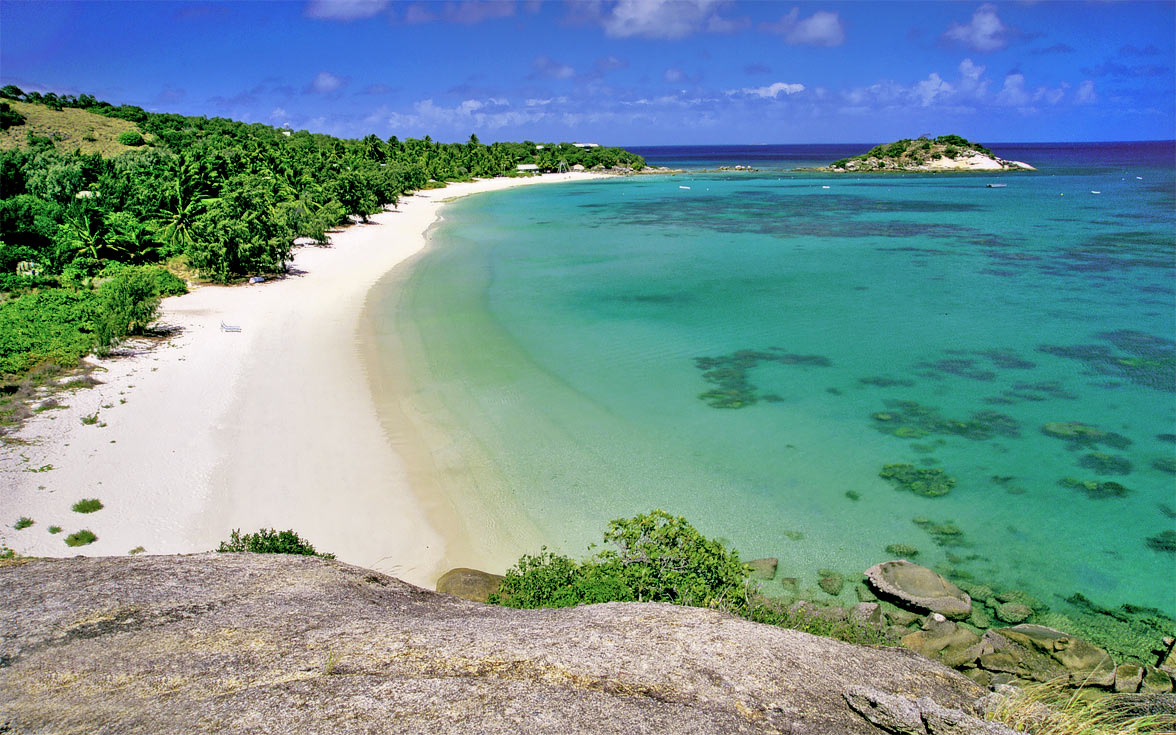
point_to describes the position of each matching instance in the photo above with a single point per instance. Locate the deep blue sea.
(756, 350)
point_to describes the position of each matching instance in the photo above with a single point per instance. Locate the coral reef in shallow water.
(913, 420)
(929, 482)
(728, 373)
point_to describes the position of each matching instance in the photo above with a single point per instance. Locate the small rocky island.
(945, 153)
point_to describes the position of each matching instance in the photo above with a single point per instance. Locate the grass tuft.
(87, 506)
(55, 529)
(22, 523)
(1054, 709)
(80, 538)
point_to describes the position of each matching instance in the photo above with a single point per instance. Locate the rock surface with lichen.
(236, 643)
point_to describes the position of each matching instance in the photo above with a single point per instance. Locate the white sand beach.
(272, 426)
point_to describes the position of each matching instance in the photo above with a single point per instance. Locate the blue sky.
(625, 72)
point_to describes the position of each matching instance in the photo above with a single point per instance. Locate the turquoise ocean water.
(751, 351)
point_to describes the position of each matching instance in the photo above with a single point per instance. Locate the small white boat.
(683, 187)
(996, 186)
(1139, 177)
(1092, 191)
(824, 187)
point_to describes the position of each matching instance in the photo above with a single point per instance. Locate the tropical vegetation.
(89, 242)
(658, 557)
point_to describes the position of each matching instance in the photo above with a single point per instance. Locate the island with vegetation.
(925, 154)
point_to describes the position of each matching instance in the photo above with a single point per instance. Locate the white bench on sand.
(229, 327)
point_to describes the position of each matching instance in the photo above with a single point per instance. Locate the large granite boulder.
(469, 584)
(1086, 662)
(897, 714)
(271, 643)
(909, 585)
(1042, 653)
(947, 642)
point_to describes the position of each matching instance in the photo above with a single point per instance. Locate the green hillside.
(68, 129)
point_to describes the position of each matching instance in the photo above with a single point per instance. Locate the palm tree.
(187, 199)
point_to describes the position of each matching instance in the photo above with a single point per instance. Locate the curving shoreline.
(272, 426)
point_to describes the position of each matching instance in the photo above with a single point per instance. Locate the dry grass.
(1052, 709)
(69, 128)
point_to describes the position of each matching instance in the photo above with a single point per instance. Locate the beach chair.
(229, 327)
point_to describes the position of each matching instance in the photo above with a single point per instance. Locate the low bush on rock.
(269, 541)
(657, 557)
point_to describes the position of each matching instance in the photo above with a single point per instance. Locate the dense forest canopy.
(213, 197)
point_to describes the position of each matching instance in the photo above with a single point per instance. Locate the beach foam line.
(271, 426)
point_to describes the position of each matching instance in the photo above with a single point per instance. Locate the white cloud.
(984, 32)
(551, 68)
(675, 75)
(609, 63)
(1085, 94)
(772, 91)
(972, 81)
(822, 28)
(416, 13)
(932, 88)
(325, 82)
(489, 114)
(1052, 96)
(662, 18)
(1013, 92)
(344, 9)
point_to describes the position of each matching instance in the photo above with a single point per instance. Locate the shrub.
(9, 117)
(80, 538)
(87, 506)
(22, 523)
(269, 541)
(657, 557)
(951, 151)
(131, 138)
(50, 326)
(663, 558)
(55, 529)
(840, 163)
(653, 557)
(551, 580)
(126, 304)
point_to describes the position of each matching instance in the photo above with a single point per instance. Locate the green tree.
(242, 231)
(654, 557)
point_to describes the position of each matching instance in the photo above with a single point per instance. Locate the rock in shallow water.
(763, 569)
(469, 584)
(918, 587)
(1013, 612)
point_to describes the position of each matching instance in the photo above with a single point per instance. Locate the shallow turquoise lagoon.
(751, 351)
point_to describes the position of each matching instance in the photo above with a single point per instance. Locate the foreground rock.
(234, 643)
